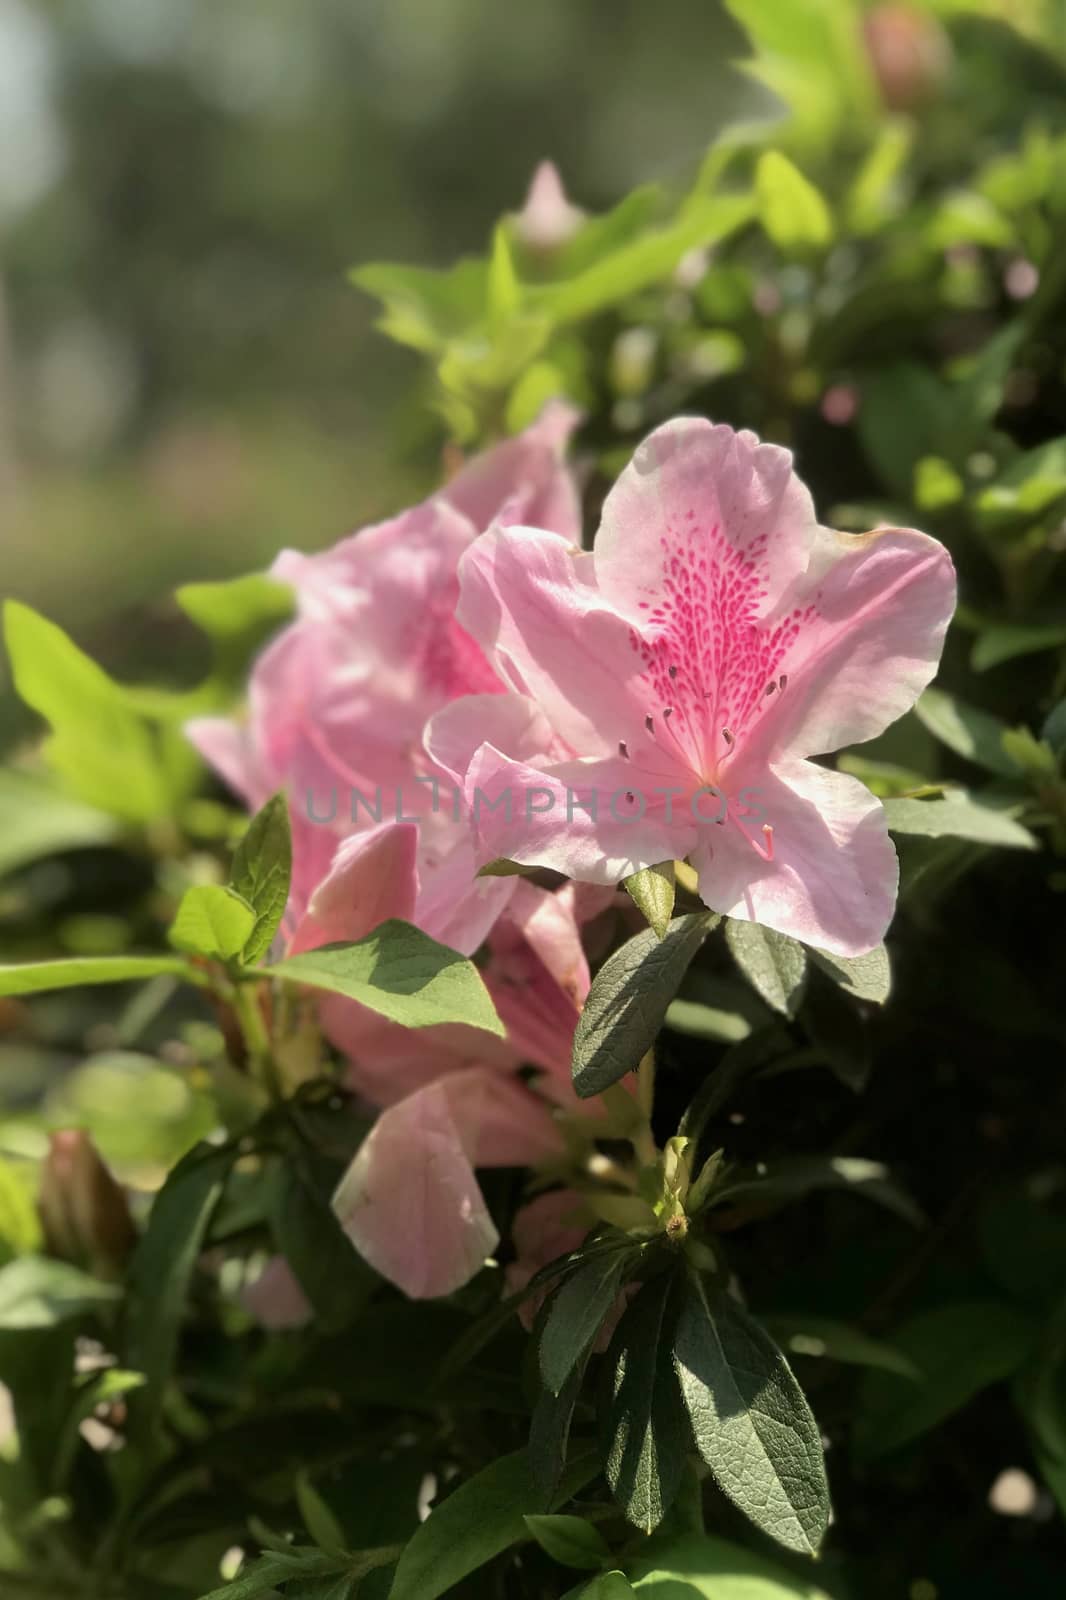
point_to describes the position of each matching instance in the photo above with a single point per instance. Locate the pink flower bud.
(547, 220)
(909, 52)
(83, 1211)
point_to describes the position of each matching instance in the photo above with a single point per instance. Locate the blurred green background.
(187, 381)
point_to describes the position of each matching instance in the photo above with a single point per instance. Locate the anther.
(783, 681)
(649, 723)
(622, 751)
(727, 736)
(672, 671)
(771, 686)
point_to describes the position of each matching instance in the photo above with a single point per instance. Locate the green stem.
(253, 1028)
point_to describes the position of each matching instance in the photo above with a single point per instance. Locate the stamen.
(672, 671)
(727, 736)
(770, 687)
(783, 682)
(768, 834)
(649, 723)
(622, 751)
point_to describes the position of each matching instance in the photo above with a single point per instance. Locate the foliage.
(852, 1164)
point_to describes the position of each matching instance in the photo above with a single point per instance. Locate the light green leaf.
(102, 749)
(1005, 641)
(32, 977)
(504, 289)
(867, 977)
(751, 1422)
(958, 1350)
(958, 817)
(319, 1520)
(791, 210)
(643, 1419)
(426, 309)
(212, 921)
(571, 1541)
(821, 1336)
(699, 1021)
(262, 872)
(20, 1228)
(484, 1517)
(706, 1566)
(399, 972)
(652, 891)
(240, 610)
(37, 1292)
(37, 819)
(607, 1586)
(970, 732)
(936, 484)
(628, 1000)
(775, 966)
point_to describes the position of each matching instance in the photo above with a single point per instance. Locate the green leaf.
(790, 208)
(298, 1564)
(101, 748)
(821, 1336)
(212, 921)
(161, 1272)
(774, 965)
(262, 872)
(643, 1419)
(867, 977)
(628, 999)
(704, 1565)
(646, 260)
(970, 732)
(652, 891)
(1005, 641)
(549, 1431)
(331, 1273)
(750, 1420)
(571, 1541)
(399, 972)
(37, 819)
(958, 1350)
(318, 1519)
(699, 1021)
(907, 413)
(607, 1586)
(97, 1390)
(20, 1227)
(237, 609)
(958, 817)
(936, 484)
(425, 308)
(33, 977)
(484, 1517)
(504, 289)
(575, 1312)
(793, 1177)
(36, 1292)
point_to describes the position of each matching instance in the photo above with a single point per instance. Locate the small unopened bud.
(547, 219)
(909, 52)
(84, 1214)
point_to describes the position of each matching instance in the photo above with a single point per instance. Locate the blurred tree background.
(187, 381)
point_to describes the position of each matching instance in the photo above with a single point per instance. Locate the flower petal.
(833, 877)
(525, 478)
(372, 877)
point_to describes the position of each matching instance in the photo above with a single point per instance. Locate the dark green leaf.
(775, 965)
(643, 1419)
(750, 1420)
(161, 1272)
(628, 1000)
(262, 870)
(484, 1517)
(867, 977)
(774, 1183)
(399, 972)
(970, 732)
(549, 1432)
(571, 1541)
(706, 1566)
(820, 1336)
(329, 1270)
(958, 817)
(958, 1350)
(1007, 640)
(575, 1312)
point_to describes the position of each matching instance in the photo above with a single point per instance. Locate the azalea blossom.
(669, 689)
(339, 700)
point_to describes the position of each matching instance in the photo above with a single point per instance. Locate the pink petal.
(230, 749)
(526, 477)
(372, 877)
(410, 1202)
(511, 722)
(833, 877)
(276, 1300)
(877, 609)
(704, 498)
(547, 219)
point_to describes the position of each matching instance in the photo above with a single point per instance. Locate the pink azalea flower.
(338, 702)
(410, 1200)
(669, 689)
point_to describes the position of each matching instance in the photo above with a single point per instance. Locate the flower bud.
(83, 1211)
(909, 52)
(547, 219)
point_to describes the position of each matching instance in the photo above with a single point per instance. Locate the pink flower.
(410, 1200)
(275, 1299)
(669, 689)
(338, 702)
(547, 219)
